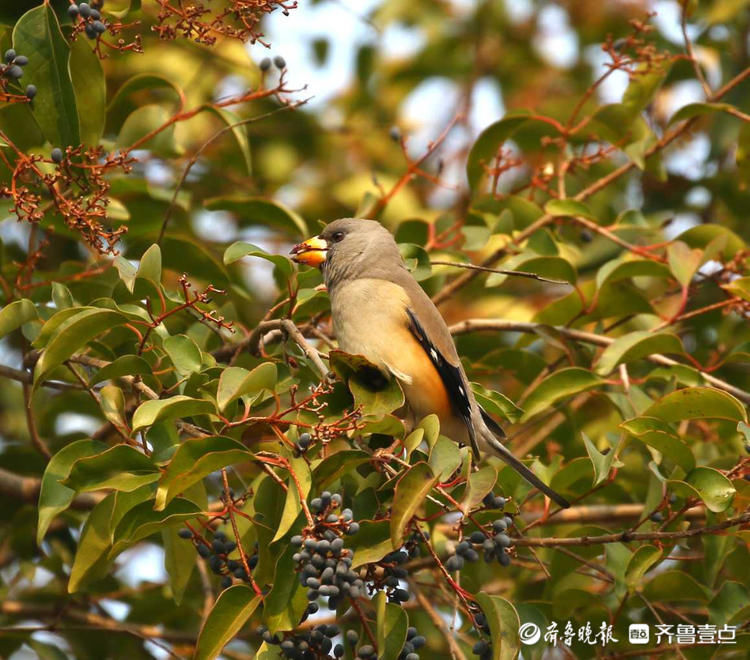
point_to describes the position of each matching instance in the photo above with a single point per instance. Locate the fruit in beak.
(311, 253)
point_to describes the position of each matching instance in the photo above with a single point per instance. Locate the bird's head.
(349, 248)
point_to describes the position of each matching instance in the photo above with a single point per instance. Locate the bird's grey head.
(351, 248)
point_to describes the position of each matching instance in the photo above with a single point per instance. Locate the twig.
(450, 638)
(500, 271)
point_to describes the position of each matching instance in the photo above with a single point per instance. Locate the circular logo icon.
(529, 633)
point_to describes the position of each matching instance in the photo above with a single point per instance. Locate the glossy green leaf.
(371, 543)
(121, 467)
(230, 612)
(696, 109)
(54, 497)
(112, 403)
(236, 382)
(697, 403)
(479, 484)
(184, 353)
(568, 207)
(557, 386)
(641, 561)
(239, 132)
(674, 585)
(194, 459)
(716, 491)
(683, 261)
(15, 314)
(615, 270)
(281, 608)
(263, 212)
(37, 35)
(636, 345)
(602, 462)
(90, 90)
(148, 121)
(504, 624)
(142, 521)
(150, 412)
(391, 625)
(150, 265)
(292, 503)
(658, 434)
(445, 458)
(126, 365)
(411, 490)
(241, 249)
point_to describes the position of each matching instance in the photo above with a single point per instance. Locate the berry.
(503, 540)
(10, 55)
(503, 558)
(481, 647)
(91, 33)
(353, 528)
(280, 62)
(454, 563)
(477, 537)
(99, 27)
(95, 14)
(84, 10)
(352, 636)
(14, 72)
(73, 11)
(304, 440)
(57, 155)
(30, 91)
(265, 64)
(183, 533)
(500, 525)
(21, 60)
(656, 517)
(296, 540)
(338, 651)
(395, 134)
(226, 582)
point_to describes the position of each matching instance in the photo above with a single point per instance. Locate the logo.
(529, 633)
(638, 633)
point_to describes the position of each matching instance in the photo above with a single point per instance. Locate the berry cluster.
(90, 18)
(325, 566)
(393, 573)
(216, 555)
(494, 546)
(413, 642)
(279, 63)
(306, 645)
(11, 70)
(482, 648)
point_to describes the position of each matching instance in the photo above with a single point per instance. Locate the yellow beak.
(312, 252)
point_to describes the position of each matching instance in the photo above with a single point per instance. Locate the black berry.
(30, 91)
(280, 62)
(57, 155)
(265, 64)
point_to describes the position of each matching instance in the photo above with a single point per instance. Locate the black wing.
(451, 376)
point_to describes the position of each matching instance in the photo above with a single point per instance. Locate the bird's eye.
(338, 236)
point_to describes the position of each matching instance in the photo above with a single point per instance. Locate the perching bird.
(380, 312)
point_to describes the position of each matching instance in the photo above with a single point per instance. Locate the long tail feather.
(504, 453)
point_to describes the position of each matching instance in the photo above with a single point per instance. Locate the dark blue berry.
(280, 62)
(185, 534)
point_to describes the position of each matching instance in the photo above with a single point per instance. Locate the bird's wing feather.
(451, 375)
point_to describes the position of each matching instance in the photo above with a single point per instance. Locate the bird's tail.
(504, 453)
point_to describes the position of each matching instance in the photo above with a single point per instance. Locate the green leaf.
(240, 249)
(142, 521)
(140, 82)
(657, 434)
(486, 145)
(365, 381)
(504, 624)
(37, 35)
(15, 314)
(371, 543)
(92, 555)
(72, 334)
(615, 270)
(281, 610)
(121, 467)
(230, 612)
(90, 89)
(112, 403)
(150, 265)
(195, 459)
(673, 586)
(479, 484)
(150, 412)
(739, 287)
(732, 599)
(391, 625)
(568, 207)
(411, 490)
(445, 458)
(642, 88)
(556, 386)
(602, 462)
(697, 403)
(556, 268)
(53, 496)
(236, 382)
(639, 564)
(179, 561)
(696, 109)
(259, 211)
(292, 504)
(716, 491)
(184, 353)
(636, 345)
(126, 365)
(332, 467)
(61, 296)
(683, 261)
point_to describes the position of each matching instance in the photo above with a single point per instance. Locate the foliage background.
(626, 379)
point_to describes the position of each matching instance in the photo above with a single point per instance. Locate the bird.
(379, 311)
